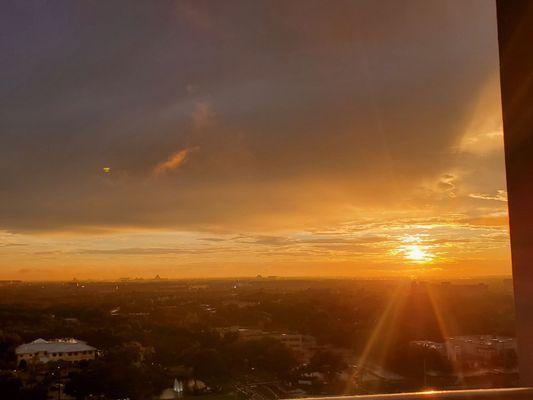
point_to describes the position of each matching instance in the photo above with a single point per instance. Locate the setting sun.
(415, 253)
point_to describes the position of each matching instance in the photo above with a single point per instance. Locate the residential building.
(478, 348)
(43, 351)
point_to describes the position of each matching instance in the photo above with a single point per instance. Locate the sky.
(214, 139)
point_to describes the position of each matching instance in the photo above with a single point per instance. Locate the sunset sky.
(236, 138)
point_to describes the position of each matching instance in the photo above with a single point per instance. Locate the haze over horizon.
(216, 139)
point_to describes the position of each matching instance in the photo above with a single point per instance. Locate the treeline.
(167, 335)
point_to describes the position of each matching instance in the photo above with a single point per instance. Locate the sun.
(414, 252)
(414, 249)
(417, 253)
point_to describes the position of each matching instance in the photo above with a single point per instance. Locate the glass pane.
(253, 199)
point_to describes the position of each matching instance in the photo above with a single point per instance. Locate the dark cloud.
(294, 109)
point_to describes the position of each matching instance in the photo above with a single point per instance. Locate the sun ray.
(387, 319)
(443, 322)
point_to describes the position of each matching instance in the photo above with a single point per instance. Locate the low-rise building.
(43, 351)
(478, 347)
(473, 351)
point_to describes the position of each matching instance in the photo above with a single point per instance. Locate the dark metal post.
(515, 36)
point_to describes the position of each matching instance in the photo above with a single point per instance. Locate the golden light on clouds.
(173, 162)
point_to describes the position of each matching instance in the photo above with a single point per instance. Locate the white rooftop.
(53, 346)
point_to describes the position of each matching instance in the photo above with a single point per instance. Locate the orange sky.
(210, 139)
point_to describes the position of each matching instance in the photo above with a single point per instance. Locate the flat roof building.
(485, 347)
(43, 351)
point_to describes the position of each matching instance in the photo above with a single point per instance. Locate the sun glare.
(414, 249)
(417, 253)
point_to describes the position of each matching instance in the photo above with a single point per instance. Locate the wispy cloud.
(448, 184)
(482, 143)
(133, 251)
(501, 195)
(173, 162)
(149, 251)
